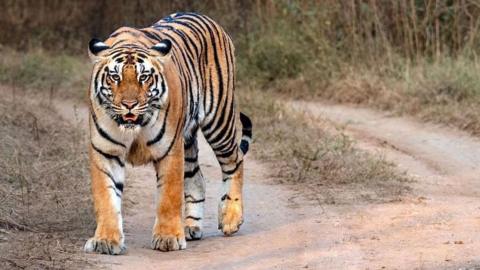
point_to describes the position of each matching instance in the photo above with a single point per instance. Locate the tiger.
(152, 91)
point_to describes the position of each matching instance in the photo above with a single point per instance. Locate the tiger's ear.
(96, 49)
(161, 49)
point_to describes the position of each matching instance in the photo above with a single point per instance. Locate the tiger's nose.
(129, 103)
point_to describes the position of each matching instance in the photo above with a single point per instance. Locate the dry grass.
(411, 57)
(323, 165)
(57, 74)
(446, 92)
(45, 209)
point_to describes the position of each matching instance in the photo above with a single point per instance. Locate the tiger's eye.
(115, 77)
(143, 77)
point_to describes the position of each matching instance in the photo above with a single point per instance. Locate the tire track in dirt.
(437, 228)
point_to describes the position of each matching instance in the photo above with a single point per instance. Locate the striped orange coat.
(151, 90)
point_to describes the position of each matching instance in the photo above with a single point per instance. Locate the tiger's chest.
(138, 145)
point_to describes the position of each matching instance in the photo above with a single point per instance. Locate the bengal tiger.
(151, 90)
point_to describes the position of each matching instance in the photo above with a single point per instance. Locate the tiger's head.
(128, 81)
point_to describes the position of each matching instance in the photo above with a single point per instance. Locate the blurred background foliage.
(414, 56)
(275, 38)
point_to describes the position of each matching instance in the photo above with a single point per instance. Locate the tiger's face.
(129, 82)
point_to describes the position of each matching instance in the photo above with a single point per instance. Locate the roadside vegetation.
(45, 206)
(37, 71)
(416, 57)
(411, 57)
(321, 163)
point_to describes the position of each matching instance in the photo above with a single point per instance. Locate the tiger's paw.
(230, 216)
(193, 233)
(104, 246)
(168, 242)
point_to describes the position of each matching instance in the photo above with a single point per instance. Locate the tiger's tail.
(246, 133)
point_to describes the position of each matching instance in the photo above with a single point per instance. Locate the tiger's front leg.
(107, 172)
(168, 232)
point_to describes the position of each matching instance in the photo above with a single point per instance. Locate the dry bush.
(320, 164)
(45, 210)
(445, 91)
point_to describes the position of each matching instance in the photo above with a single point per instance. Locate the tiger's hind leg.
(230, 208)
(194, 192)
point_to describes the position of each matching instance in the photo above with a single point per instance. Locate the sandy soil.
(435, 228)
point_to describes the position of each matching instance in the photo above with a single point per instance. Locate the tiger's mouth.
(130, 120)
(130, 117)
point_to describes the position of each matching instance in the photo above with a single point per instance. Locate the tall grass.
(445, 91)
(316, 39)
(368, 29)
(416, 56)
(275, 39)
(410, 56)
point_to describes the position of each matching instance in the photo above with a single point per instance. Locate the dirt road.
(438, 226)
(277, 233)
(434, 228)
